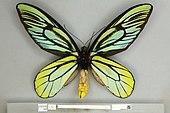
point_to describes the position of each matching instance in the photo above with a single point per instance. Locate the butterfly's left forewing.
(122, 31)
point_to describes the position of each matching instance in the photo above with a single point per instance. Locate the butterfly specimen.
(116, 37)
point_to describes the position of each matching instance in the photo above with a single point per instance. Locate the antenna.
(90, 40)
(73, 35)
(94, 34)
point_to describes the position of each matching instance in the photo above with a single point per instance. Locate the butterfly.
(116, 37)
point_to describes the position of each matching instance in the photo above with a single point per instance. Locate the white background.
(148, 57)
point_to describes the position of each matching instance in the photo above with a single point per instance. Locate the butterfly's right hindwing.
(55, 76)
(45, 31)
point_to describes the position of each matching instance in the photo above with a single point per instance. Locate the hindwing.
(55, 76)
(117, 78)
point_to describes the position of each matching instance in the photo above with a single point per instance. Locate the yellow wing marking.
(26, 8)
(143, 8)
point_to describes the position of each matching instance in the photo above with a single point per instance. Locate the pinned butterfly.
(116, 37)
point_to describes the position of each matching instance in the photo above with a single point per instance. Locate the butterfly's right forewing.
(55, 76)
(45, 31)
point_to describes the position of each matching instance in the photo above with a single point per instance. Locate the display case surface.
(85, 108)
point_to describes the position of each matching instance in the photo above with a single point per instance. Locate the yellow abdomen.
(83, 84)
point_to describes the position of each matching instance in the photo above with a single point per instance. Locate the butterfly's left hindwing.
(117, 78)
(45, 31)
(55, 76)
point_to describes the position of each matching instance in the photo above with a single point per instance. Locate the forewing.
(122, 31)
(45, 31)
(54, 76)
(117, 78)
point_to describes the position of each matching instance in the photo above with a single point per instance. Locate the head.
(84, 48)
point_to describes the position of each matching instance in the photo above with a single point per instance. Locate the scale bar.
(101, 107)
(44, 107)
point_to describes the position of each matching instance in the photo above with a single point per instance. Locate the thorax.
(84, 58)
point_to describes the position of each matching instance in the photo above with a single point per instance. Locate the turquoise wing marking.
(45, 31)
(122, 31)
